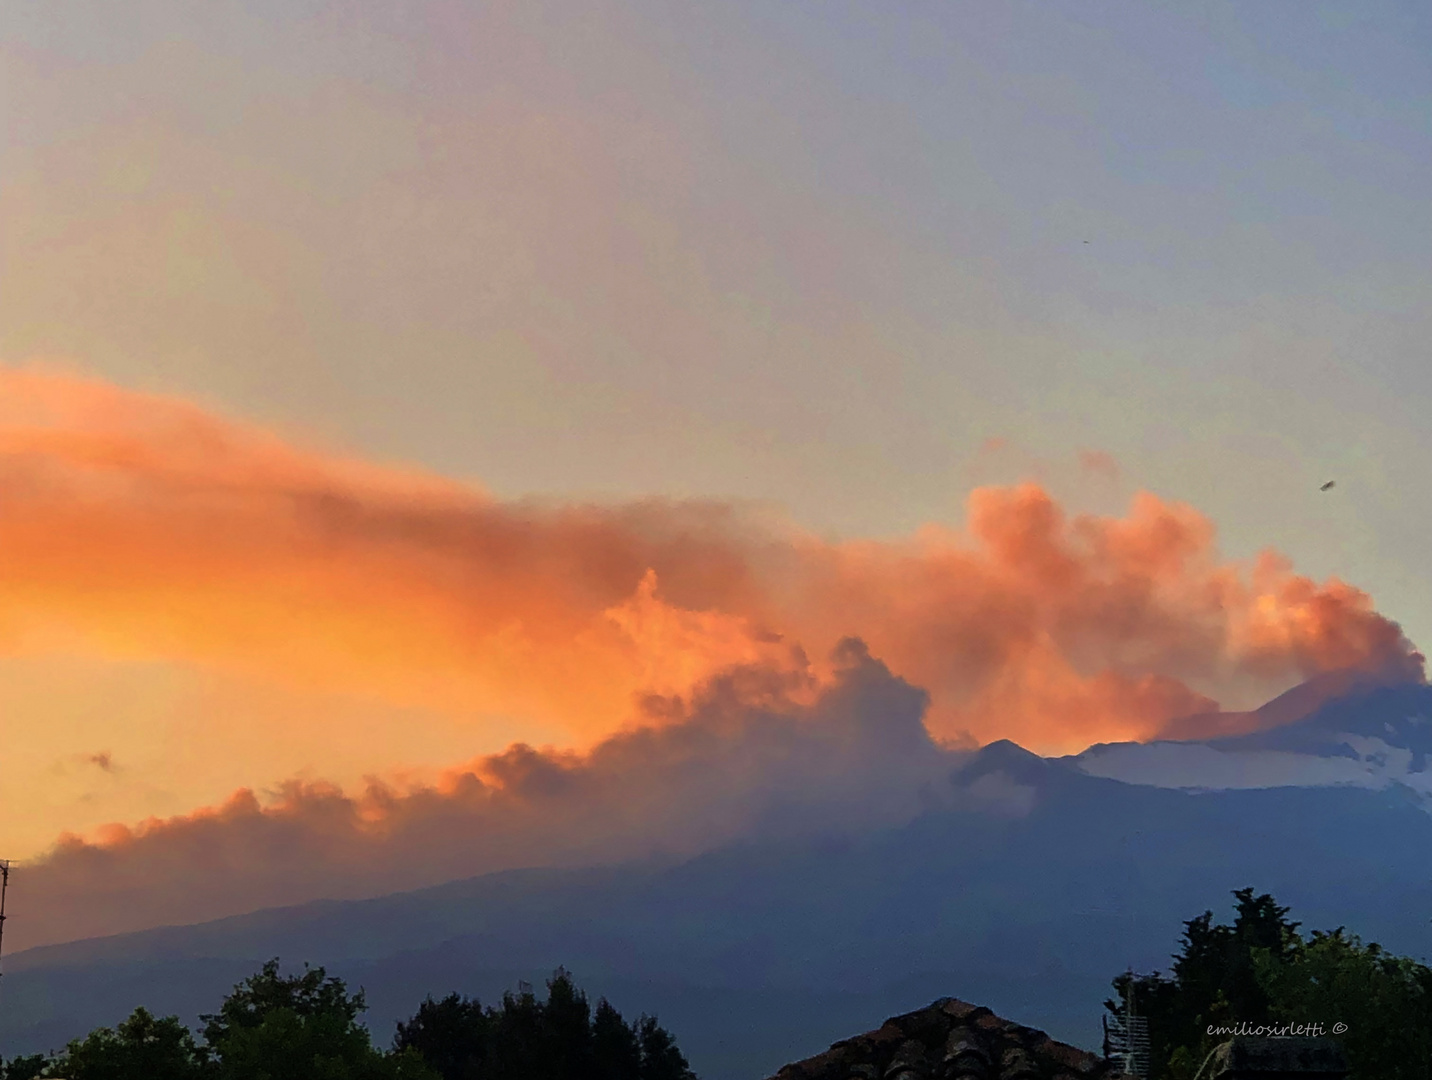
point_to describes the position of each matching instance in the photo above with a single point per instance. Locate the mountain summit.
(1373, 735)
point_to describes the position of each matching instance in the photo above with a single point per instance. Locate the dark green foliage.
(454, 1036)
(318, 1008)
(660, 1059)
(162, 1049)
(1213, 980)
(157, 1048)
(24, 1068)
(1385, 1001)
(299, 1027)
(306, 1027)
(566, 1030)
(303, 1027)
(1260, 971)
(561, 1038)
(516, 1038)
(615, 1045)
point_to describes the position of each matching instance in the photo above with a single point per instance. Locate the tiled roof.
(951, 1040)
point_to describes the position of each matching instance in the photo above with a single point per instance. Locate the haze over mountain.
(1012, 879)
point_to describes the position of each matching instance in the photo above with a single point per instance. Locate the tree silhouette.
(1260, 971)
(161, 1049)
(294, 1027)
(561, 1038)
(616, 1048)
(307, 1027)
(454, 1036)
(660, 1059)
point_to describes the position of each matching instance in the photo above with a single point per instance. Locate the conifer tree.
(1260, 971)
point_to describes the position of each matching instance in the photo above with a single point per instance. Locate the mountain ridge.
(1024, 882)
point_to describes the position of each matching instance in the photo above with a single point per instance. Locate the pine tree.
(660, 1059)
(454, 1036)
(560, 1038)
(567, 1029)
(616, 1049)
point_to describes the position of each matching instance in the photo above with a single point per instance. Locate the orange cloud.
(143, 526)
(1058, 632)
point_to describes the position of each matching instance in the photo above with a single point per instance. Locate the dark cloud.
(757, 751)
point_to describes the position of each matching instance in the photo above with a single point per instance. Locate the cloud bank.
(670, 640)
(143, 526)
(745, 756)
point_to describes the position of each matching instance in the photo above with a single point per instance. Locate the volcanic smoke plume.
(757, 751)
(143, 527)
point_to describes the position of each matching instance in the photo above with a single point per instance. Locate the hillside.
(1027, 892)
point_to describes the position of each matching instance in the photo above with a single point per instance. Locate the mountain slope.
(1374, 737)
(1027, 885)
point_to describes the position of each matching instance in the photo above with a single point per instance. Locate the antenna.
(1128, 1033)
(4, 886)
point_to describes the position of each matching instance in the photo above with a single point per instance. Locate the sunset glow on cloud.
(144, 528)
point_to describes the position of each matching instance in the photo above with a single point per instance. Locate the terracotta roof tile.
(957, 1008)
(963, 1048)
(951, 1040)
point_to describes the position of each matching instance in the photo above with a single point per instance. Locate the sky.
(384, 385)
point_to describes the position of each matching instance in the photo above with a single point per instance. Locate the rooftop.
(951, 1040)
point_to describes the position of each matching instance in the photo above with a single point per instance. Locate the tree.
(454, 1037)
(299, 1027)
(560, 1038)
(306, 1027)
(1385, 1001)
(567, 1029)
(616, 1048)
(517, 1039)
(25, 1067)
(143, 1045)
(1260, 971)
(660, 1059)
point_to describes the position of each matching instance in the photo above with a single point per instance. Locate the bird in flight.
(1326, 486)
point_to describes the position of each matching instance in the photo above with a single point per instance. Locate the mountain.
(1371, 736)
(1359, 726)
(1026, 884)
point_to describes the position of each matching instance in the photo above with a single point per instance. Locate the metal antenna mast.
(4, 886)
(1128, 1035)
